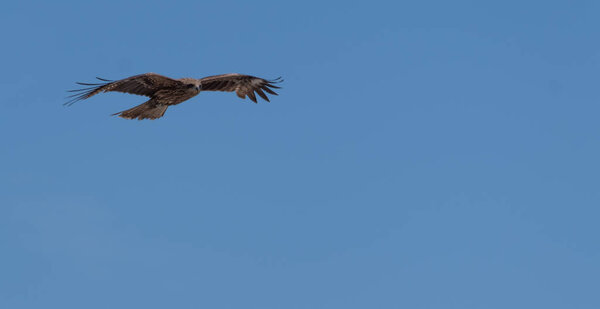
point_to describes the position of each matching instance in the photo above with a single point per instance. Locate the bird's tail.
(148, 110)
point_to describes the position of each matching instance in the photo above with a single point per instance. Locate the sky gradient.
(423, 154)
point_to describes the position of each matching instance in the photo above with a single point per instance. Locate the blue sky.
(423, 154)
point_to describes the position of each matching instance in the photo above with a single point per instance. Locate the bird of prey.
(164, 91)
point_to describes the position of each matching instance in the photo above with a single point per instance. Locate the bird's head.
(194, 87)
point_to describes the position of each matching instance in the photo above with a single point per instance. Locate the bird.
(164, 91)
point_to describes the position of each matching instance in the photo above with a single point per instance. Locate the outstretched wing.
(243, 85)
(143, 84)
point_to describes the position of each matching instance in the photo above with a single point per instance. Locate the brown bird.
(164, 91)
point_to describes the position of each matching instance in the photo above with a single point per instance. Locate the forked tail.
(148, 110)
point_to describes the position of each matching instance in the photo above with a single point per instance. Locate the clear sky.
(422, 154)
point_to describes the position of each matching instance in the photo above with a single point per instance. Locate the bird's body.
(164, 91)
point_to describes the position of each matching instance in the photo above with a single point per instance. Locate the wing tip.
(86, 92)
(276, 80)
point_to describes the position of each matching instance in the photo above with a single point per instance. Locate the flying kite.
(164, 91)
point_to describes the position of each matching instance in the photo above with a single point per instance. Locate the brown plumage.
(164, 91)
